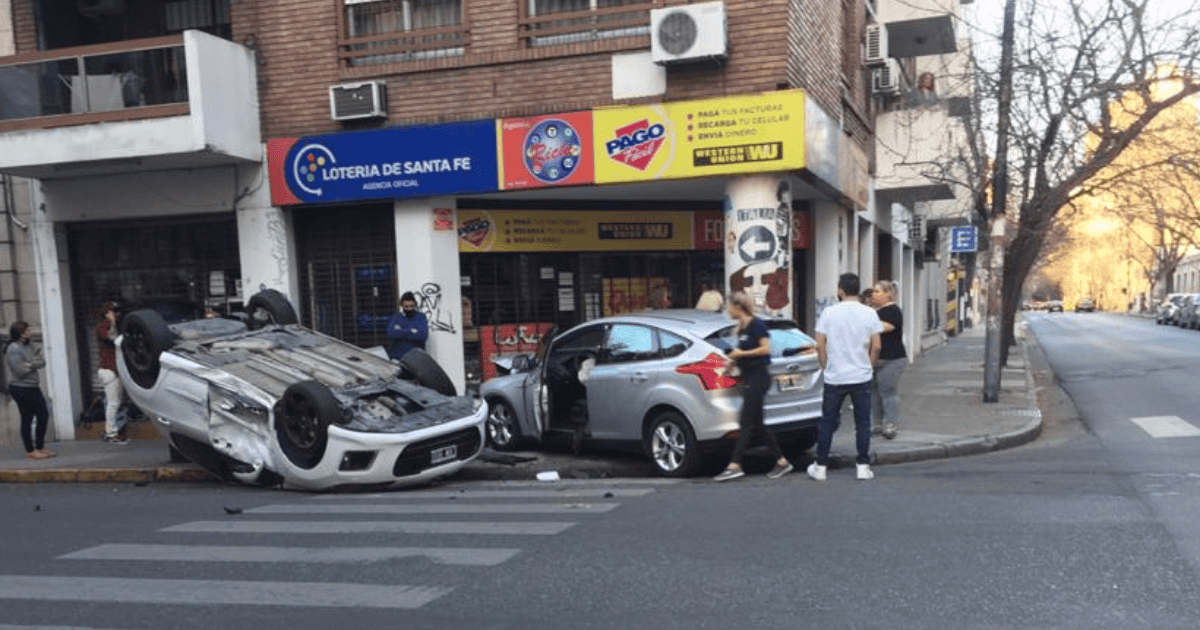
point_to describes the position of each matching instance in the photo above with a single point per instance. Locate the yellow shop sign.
(718, 136)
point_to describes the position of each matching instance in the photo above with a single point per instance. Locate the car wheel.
(146, 336)
(270, 307)
(302, 421)
(426, 372)
(503, 430)
(672, 445)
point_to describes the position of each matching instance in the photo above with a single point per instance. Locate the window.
(388, 31)
(672, 345)
(627, 342)
(567, 21)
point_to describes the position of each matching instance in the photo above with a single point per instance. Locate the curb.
(106, 475)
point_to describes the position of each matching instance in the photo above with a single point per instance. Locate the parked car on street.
(1054, 306)
(653, 381)
(1085, 305)
(1188, 313)
(263, 400)
(1168, 308)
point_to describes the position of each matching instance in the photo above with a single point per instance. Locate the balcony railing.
(120, 81)
(629, 19)
(396, 47)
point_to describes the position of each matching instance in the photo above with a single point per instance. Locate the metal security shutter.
(186, 263)
(347, 271)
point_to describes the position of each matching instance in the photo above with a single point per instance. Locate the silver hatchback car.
(653, 381)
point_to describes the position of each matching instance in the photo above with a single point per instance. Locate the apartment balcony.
(916, 28)
(918, 154)
(180, 101)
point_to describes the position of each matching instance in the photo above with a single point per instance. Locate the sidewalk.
(941, 408)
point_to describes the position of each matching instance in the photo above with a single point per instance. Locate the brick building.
(515, 164)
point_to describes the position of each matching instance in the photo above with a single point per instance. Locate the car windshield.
(786, 339)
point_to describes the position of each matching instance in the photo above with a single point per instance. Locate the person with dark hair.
(847, 345)
(106, 335)
(407, 329)
(753, 355)
(23, 360)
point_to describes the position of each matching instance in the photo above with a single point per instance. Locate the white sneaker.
(816, 471)
(864, 472)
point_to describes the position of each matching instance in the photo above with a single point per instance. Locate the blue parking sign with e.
(962, 239)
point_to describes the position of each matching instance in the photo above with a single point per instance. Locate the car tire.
(302, 419)
(146, 336)
(426, 372)
(269, 307)
(672, 446)
(503, 429)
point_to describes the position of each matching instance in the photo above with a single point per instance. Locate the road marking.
(370, 527)
(229, 592)
(1166, 426)
(462, 556)
(438, 508)
(548, 493)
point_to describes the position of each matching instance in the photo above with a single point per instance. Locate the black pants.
(31, 403)
(754, 389)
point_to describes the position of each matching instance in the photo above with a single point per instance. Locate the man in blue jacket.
(407, 329)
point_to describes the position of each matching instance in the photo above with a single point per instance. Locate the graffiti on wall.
(758, 243)
(429, 300)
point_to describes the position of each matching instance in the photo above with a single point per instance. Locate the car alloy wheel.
(672, 445)
(502, 430)
(302, 422)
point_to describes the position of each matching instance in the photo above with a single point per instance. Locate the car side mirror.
(521, 363)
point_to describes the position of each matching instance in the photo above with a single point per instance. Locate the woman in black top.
(753, 355)
(892, 357)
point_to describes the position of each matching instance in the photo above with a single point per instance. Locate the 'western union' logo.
(715, 156)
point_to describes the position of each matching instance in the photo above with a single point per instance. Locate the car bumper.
(393, 460)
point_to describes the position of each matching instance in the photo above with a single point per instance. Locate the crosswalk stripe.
(1166, 426)
(463, 556)
(547, 493)
(546, 528)
(437, 508)
(229, 592)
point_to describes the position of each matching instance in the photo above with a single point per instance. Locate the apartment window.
(388, 31)
(550, 22)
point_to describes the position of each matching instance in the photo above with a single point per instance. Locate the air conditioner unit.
(691, 32)
(100, 7)
(357, 101)
(875, 50)
(886, 78)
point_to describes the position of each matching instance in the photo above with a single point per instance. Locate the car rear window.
(786, 338)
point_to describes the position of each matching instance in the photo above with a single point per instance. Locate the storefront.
(506, 228)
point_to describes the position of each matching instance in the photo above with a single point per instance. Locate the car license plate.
(443, 454)
(793, 382)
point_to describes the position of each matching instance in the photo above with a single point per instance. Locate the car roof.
(698, 321)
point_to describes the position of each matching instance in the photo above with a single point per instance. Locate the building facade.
(517, 165)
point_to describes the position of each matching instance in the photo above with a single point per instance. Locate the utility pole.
(991, 364)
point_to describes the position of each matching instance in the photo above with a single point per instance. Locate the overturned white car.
(266, 401)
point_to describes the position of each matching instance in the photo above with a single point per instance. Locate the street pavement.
(942, 410)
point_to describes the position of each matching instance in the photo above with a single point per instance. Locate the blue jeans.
(831, 412)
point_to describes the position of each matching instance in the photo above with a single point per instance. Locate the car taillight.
(710, 371)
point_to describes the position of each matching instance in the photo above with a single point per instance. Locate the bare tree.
(1089, 77)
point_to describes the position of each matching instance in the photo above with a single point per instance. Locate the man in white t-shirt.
(847, 345)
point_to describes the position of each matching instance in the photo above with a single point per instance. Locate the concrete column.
(267, 252)
(59, 381)
(758, 248)
(830, 234)
(427, 265)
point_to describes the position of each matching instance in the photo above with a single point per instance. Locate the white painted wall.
(143, 195)
(427, 265)
(829, 257)
(635, 75)
(223, 89)
(266, 243)
(59, 384)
